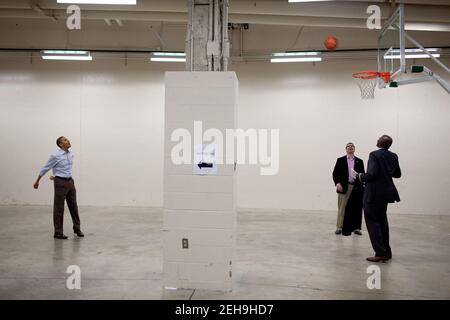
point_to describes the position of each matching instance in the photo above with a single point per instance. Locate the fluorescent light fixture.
(123, 2)
(167, 59)
(66, 55)
(427, 26)
(310, 59)
(295, 57)
(412, 53)
(168, 56)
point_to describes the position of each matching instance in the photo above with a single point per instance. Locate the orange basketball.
(330, 43)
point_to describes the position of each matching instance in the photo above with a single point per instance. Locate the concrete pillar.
(199, 202)
(207, 43)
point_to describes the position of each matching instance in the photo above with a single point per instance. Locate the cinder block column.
(199, 209)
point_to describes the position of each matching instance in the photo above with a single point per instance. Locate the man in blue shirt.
(61, 164)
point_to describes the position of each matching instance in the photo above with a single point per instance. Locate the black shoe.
(378, 259)
(79, 233)
(358, 232)
(338, 231)
(60, 236)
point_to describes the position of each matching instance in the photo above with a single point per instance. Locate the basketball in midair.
(330, 43)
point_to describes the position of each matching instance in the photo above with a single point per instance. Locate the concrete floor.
(280, 255)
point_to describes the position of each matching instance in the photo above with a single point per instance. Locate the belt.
(63, 178)
(352, 183)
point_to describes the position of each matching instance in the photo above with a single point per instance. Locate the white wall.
(318, 111)
(113, 115)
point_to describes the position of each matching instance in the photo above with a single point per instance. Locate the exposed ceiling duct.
(273, 25)
(428, 15)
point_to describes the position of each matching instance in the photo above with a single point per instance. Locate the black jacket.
(340, 172)
(382, 167)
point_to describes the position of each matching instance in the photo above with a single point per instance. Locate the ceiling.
(274, 25)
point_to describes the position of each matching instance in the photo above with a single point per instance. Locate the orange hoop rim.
(367, 75)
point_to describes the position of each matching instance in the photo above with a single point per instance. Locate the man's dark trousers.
(65, 190)
(378, 227)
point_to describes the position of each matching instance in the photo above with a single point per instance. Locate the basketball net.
(367, 81)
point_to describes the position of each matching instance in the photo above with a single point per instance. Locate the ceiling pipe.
(415, 10)
(233, 18)
(362, 54)
(38, 9)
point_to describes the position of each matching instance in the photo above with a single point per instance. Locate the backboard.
(391, 46)
(396, 48)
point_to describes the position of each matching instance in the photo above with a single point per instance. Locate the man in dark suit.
(380, 190)
(349, 192)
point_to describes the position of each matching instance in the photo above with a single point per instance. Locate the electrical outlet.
(185, 243)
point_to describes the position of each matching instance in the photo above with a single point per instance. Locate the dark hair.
(348, 144)
(58, 141)
(385, 141)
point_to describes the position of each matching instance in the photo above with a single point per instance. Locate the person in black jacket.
(350, 192)
(380, 190)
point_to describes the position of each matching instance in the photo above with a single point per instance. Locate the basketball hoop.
(367, 81)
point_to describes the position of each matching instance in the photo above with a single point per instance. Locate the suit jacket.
(340, 172)
(383, 166)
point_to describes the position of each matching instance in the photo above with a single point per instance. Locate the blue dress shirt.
(61, 164)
